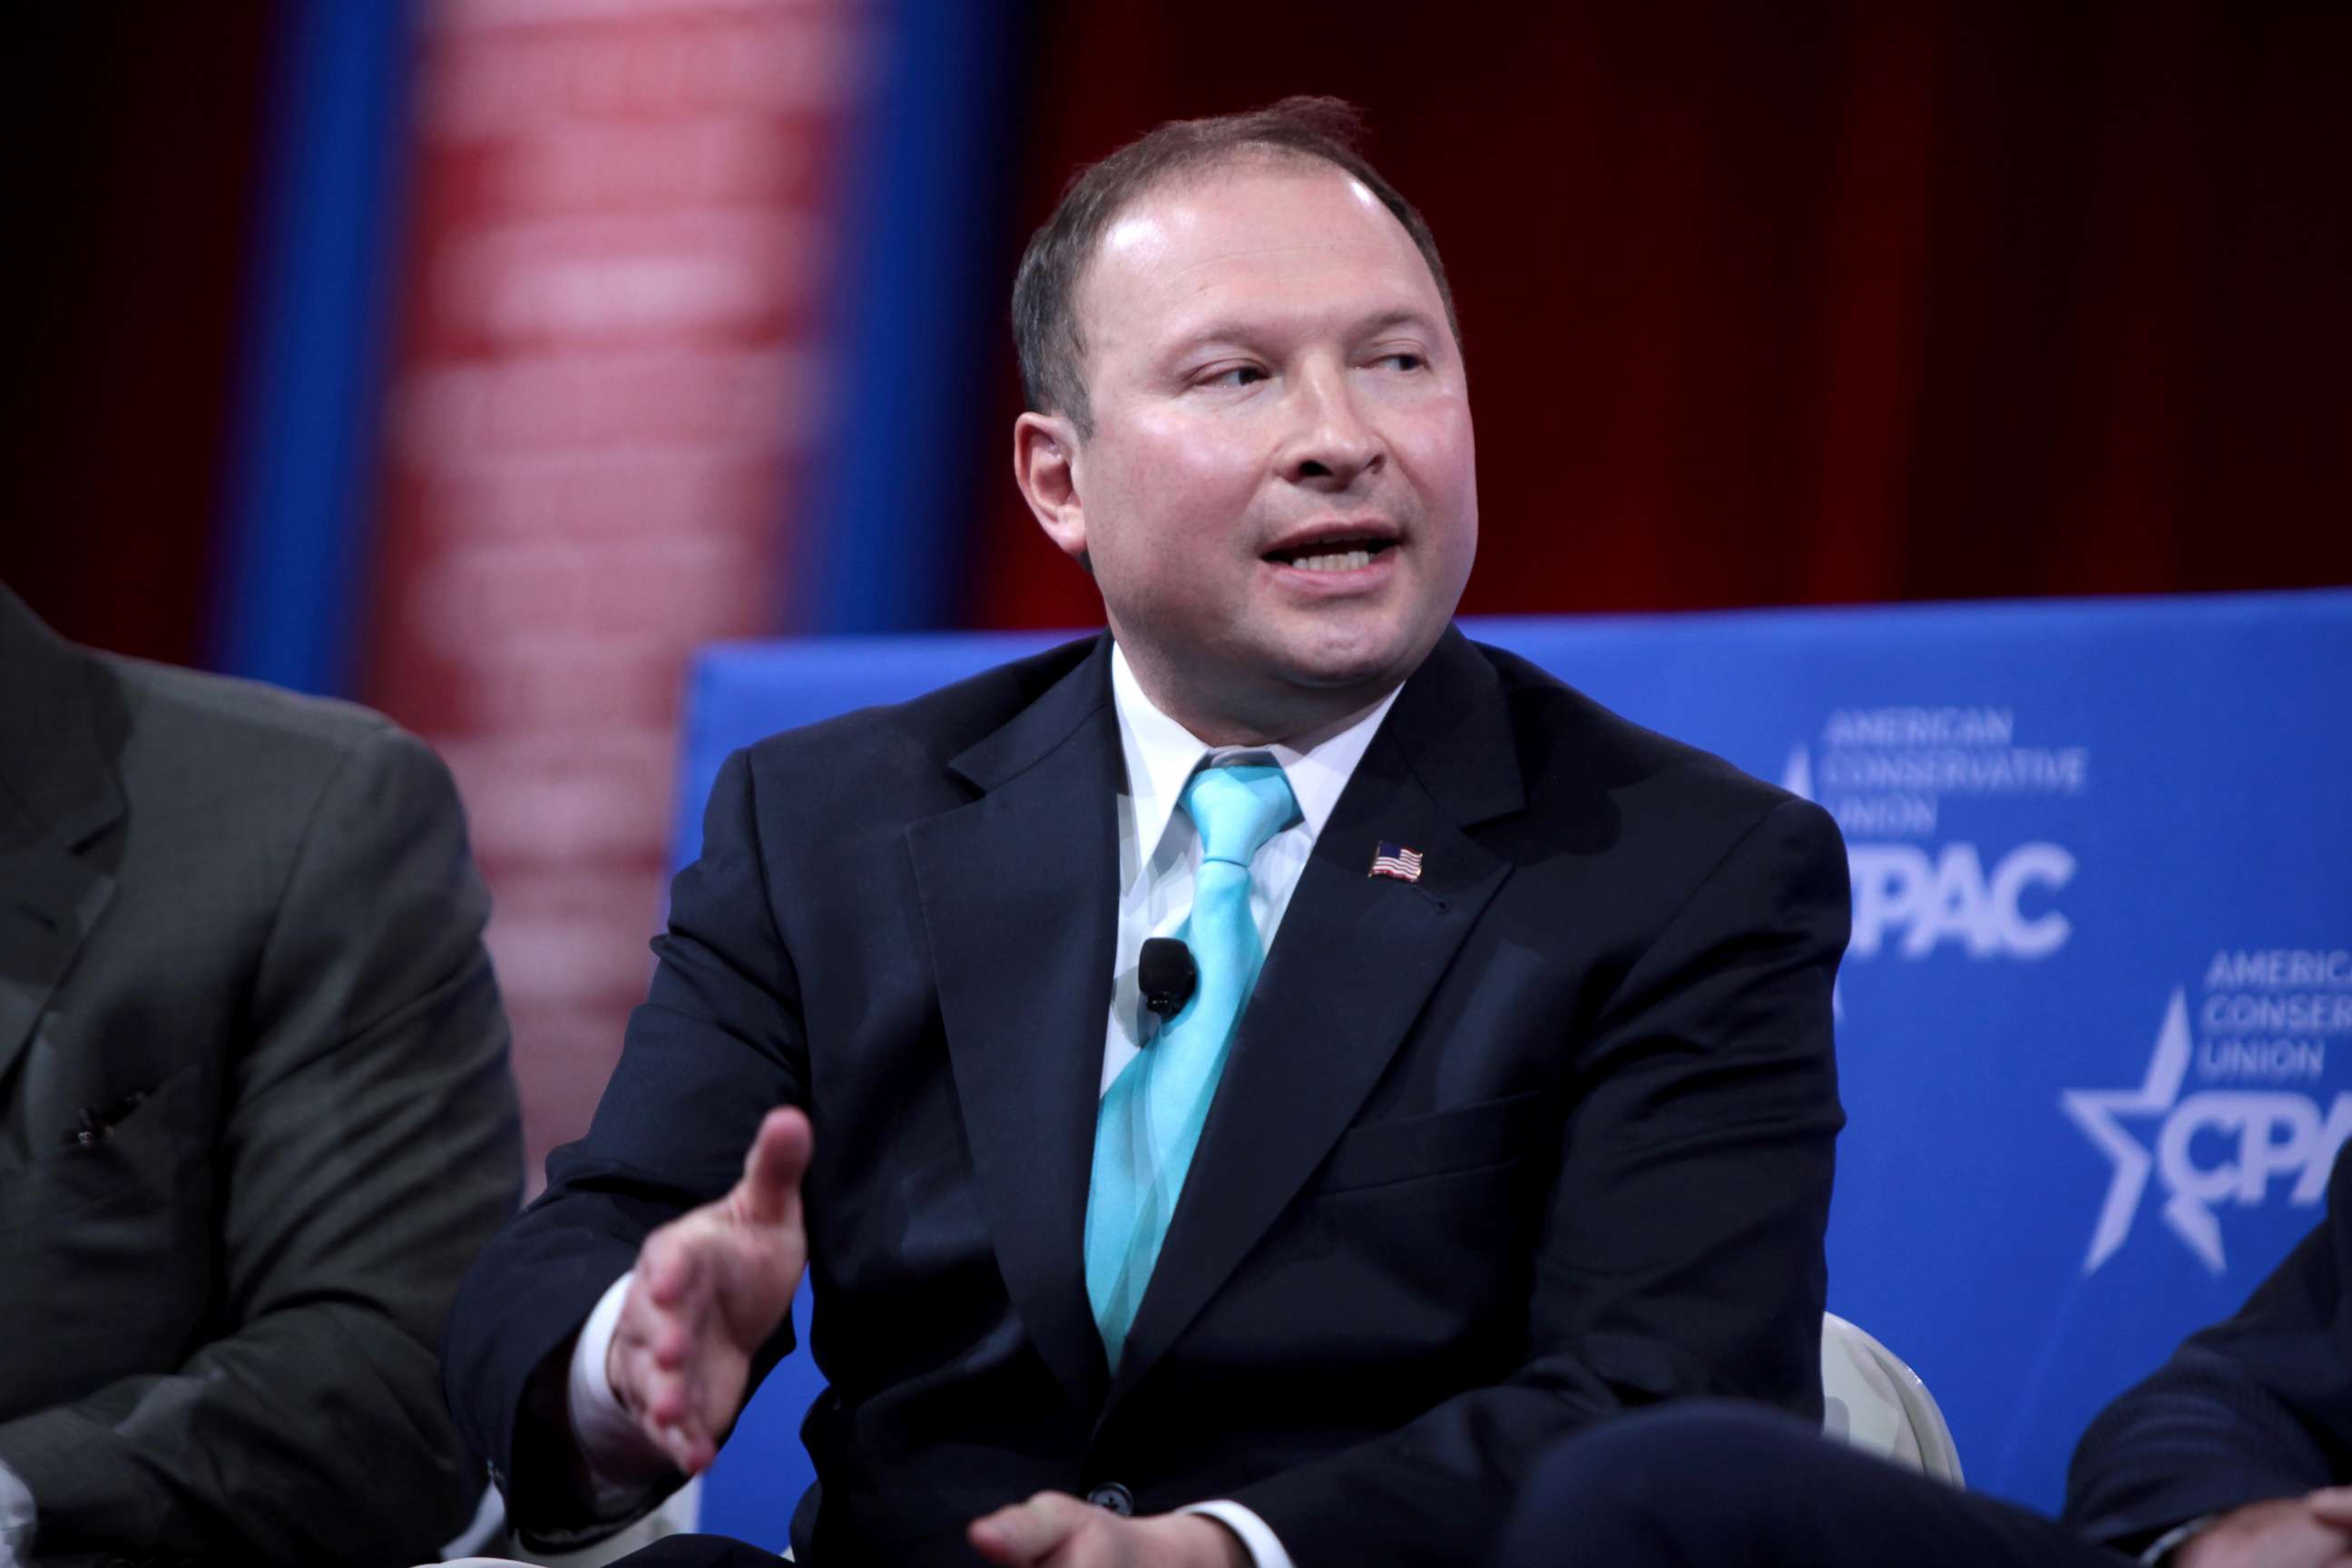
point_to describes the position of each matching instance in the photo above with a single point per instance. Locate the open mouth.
(1332, 555)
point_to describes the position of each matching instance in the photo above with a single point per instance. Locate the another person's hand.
(2313, 1531)
(710, 1287)
(1053, 1529)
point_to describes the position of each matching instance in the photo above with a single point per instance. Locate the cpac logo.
(1903, 896)
(1899, 891)
(2270, 1134)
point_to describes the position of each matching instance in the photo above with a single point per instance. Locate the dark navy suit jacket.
(1543, 1135)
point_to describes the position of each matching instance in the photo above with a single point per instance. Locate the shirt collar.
(1161, 755)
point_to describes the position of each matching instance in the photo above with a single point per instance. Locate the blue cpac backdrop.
(2095, 1025)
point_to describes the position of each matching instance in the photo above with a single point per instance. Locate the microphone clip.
(1166, 975)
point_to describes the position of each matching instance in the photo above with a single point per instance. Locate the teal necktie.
(1150, 1120)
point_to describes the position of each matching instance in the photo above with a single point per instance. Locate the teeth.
(1335, 561)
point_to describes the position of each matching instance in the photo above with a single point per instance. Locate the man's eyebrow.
(1235, 329)
(1403, 316)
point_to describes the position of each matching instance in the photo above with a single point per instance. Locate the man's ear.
(1044, 465)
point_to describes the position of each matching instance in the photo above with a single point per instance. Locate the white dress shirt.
(1159, 853)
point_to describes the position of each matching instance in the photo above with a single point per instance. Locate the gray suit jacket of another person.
(255, 1116)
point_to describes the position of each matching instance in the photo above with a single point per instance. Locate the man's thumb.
(770, 1189)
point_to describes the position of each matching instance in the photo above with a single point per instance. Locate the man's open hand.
(1053, 1529)
(2313, 1531)
(710, 1287)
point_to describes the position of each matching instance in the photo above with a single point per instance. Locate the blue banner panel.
(286, 596)
(2095, 1022)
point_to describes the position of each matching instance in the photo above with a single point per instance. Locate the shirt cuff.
(2172, 1540)
(16, 1516)
(624, 1464)
(1260, 1541)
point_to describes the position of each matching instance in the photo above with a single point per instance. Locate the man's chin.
(1338, 657)
(1362, 671)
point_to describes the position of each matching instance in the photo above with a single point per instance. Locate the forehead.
(1264, 234)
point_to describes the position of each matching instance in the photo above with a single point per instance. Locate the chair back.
(1872, 1400)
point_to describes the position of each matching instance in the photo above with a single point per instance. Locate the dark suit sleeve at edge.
(2257, 1406)
(1681, 1248)
(370, 1146)
(716, 1045)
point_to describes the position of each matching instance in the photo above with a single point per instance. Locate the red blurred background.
(1765, 305)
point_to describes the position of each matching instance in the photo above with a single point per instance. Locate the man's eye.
(1403, 359)
(1235, 376)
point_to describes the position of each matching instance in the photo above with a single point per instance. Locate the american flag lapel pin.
(1396, 860)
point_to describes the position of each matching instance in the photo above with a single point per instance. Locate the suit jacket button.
(1114, 1497)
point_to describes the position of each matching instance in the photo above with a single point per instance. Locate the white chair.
(1872, 1401)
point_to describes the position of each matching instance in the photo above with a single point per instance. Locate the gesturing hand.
(710, 1287)
(2312, 1532)
(1053, 1529)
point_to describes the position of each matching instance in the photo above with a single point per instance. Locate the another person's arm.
(2310, 1532)
(2253, 1410)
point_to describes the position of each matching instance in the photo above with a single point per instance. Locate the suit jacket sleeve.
(2255, 1407)
(716, 1045)
(1680, 1249)
(369, 1148)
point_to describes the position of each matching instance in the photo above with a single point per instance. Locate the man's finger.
(690, 1451)
(770, 1189)
(2331, 1505)
(669, 1399)
(672, 1266)
(673, 1417)
(630, 1365)
(671, 1341)
(1026, 1533)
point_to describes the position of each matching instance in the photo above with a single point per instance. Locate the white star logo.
(2096, 1112)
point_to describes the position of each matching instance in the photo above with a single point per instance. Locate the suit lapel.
(52, 899)
(59, 793)
(1354, 962)
(1019, 896)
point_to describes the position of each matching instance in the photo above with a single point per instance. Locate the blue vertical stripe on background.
(286, 604)
(881, 535)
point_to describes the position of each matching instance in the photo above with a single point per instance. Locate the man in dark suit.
(1528, 1119)
(2235, 1454)
(254, 1118)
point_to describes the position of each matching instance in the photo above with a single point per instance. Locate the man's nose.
(1334, 445)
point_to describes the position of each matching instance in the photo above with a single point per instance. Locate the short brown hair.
(1045, 292)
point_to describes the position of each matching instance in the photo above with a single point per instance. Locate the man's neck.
(1299, 719)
